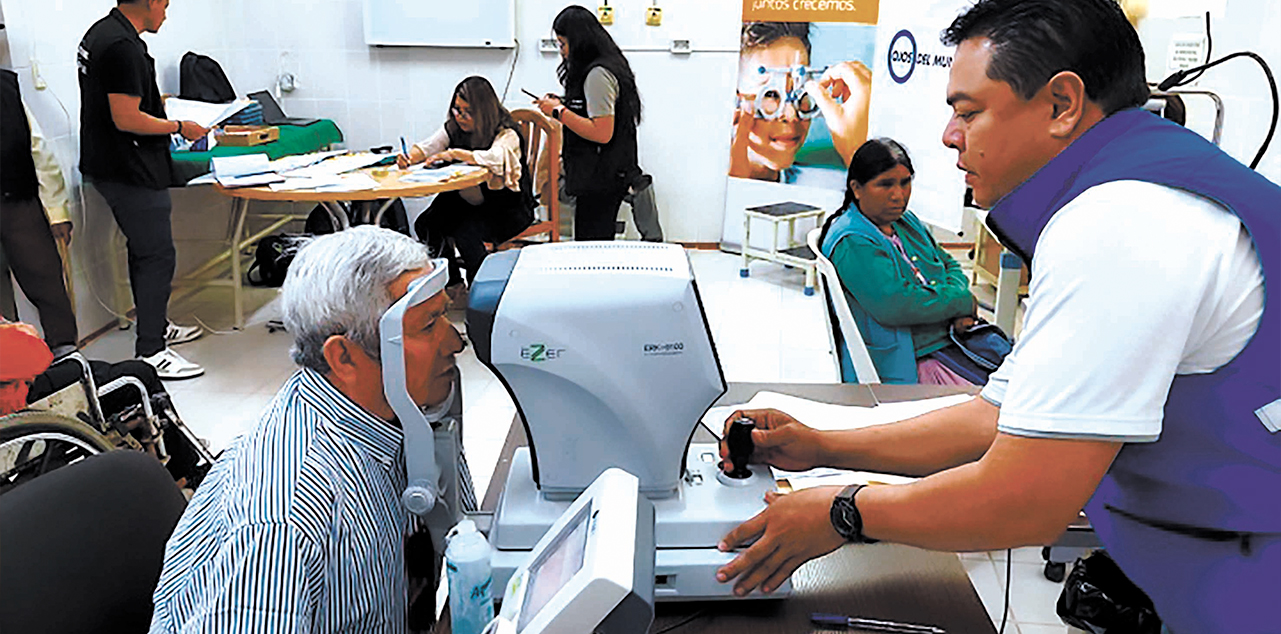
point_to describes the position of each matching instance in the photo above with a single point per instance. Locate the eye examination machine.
(607, 354)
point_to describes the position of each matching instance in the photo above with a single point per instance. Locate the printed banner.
(911, 102)
(801, 107)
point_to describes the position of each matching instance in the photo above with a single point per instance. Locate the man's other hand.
(61, 232)
(192, 130)
(793, 529)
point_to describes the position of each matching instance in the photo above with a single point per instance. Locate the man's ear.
(342, 356)
(1066, 93)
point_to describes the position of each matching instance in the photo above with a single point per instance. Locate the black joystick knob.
(741, 447)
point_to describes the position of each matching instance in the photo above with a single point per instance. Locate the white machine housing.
(607, 354)
(593, 569)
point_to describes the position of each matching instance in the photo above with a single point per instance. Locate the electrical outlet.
(681, 47)
(548, 45)
(605, 14)
(654, 16)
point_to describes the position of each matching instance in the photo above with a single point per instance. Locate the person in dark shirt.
(124, 154)
(33, 214)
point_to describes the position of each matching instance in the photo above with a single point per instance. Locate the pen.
(532, 95)
(404, 148)
(872, 625)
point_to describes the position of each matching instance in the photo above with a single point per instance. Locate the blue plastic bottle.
(471, 605)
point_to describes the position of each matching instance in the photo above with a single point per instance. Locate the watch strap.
(846, 518)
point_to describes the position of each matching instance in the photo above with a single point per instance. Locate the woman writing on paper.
(904, 291)
(600, 112)
(477, 131)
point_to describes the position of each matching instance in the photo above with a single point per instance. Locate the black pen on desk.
(872, 625)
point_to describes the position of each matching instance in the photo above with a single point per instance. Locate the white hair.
(338, 285)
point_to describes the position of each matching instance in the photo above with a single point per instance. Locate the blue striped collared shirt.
(298, 527)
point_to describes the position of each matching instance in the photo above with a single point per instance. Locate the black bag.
(272, 257)
(1098, 598)
(200, 78)
(984, 344)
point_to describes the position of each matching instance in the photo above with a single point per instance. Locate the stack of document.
(245, 170)
(332, 183)
(336, 165)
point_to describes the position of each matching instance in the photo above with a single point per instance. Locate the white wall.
(43, 35)
(378, 94)
(1251, 25)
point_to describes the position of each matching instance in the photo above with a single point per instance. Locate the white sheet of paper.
(827, 416)
(240, 165)
(206, 114)
(293, 184)
(336, 165)
(439, 174)
(251, 180)
(298, 161)
(350, 183)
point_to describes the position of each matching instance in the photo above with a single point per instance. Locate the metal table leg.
(747, 244)
(239, 211)
(1007, 291)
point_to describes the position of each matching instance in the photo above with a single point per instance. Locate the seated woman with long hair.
(903, 290)
(477, 131)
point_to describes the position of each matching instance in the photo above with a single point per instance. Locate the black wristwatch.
(556, 112)
(845, 516)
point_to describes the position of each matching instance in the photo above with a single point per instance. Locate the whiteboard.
(443, 23)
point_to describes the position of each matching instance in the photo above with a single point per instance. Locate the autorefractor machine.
(607, 354)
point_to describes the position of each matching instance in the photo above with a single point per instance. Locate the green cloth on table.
(293, 140)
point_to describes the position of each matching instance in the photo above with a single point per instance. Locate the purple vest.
(1194, 518)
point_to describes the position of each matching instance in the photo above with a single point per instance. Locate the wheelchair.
(79, 419)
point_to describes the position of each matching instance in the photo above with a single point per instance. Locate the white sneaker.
(175, 334)
(170, 365)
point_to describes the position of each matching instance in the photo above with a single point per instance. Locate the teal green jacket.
(900, 318)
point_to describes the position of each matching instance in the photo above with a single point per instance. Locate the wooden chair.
(542, 138)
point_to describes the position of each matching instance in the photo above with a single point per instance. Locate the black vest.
(598, 168)
(17, 169)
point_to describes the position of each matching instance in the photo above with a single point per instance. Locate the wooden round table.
(390, 187)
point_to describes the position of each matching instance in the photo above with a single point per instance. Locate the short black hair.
(873, 158)
(1035, 39)
(758, 34)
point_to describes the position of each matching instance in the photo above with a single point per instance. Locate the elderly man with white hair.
(299, 527)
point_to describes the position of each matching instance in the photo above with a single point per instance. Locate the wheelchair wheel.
(35, 443)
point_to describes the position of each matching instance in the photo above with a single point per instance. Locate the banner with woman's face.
(801, 100)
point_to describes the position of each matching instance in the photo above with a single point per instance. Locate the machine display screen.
(559, 563)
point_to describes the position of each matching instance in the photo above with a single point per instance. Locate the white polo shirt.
(1132, 283)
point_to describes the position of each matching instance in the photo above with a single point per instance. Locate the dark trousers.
(32, 255)
(143, 216)
(500, 216)
(595, 215)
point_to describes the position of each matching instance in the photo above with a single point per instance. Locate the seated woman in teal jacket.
(903, 290)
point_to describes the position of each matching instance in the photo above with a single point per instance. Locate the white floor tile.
(990, 587)
(1033, 597)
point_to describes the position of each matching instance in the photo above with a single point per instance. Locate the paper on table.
(241, 165)
(251, 180)
(350, 183)
(336, 165)
(827, 416)
(306, 183)
(206, 114)
(439, 174)
(297, 161)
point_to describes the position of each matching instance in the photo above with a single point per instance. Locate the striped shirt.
(297, 528)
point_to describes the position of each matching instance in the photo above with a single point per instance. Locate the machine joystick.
(740, 445)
